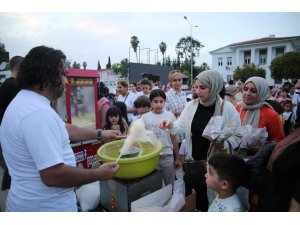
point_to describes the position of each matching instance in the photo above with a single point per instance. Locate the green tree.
(84, 64)
(247, 71)
(68, 62)
(121, 68)
(168, 61)
(2, 47)
(99, 66)
(163, 48)
(286, 66)
(134, 41)
(108, 65)
(4, 55)
(184, 48)
(199, 69)
(76, 65)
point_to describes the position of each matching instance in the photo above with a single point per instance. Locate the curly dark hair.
(42, 66)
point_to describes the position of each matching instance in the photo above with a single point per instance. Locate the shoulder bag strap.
(222, 107)
(126, 97)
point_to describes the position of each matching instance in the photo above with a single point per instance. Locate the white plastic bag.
(253, 137)
(88, 196)
(214, 127)
(178, 198)
(162, 200)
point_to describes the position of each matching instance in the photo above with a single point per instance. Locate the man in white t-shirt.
(35, 140)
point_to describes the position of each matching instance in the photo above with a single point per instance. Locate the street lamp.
(192, 50)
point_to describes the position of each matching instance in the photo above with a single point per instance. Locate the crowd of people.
(258, 137)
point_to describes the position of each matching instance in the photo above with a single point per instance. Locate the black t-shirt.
(200, 144)
(8, 91)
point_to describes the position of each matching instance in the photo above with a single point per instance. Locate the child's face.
(194, 89)
(158, 105)
(142, 110)
(288, 107)
(212, 179)
(283, 94)
(145, 89)
(113, 119)
(132, 88)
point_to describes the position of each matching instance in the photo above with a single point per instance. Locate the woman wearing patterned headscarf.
(194, 119)
(254, 110)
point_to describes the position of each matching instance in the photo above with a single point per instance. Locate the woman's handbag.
(194, 173)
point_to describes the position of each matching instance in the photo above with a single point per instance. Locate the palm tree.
(162, 48)
(134, 41)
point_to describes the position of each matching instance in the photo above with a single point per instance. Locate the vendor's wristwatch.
(99, 132)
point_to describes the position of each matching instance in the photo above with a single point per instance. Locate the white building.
(260, 52)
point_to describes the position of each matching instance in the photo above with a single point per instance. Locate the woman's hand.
(179, 161)
(165, 124)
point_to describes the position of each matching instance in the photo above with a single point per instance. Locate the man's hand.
(108, 170)
(110, 134)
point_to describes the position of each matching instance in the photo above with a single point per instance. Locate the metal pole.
(147, 53)
(129, 54)
(139, 55)
(139, 59)
(192, 49)
(191, 56)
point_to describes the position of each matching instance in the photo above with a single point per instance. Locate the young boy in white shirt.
(224, 175)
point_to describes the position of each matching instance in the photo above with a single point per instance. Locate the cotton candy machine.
(136, 177)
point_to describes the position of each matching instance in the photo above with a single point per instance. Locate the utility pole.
(192, 50)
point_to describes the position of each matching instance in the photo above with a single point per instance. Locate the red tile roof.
(263, 40)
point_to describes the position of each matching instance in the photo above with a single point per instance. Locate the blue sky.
(92, 36)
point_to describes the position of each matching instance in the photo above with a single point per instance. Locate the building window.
(220, 61)
(229, 61)
(247, 57)
(279, 51)
(262, 56)
(228, 78)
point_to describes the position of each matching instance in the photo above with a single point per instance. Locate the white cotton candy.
(137, 134)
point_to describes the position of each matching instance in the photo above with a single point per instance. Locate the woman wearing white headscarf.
(194, 119)
(254, 110)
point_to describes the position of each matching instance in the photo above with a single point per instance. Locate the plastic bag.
(162, 203)
(178, 198)
(214, 127)
(88, 196)
(253, 138)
